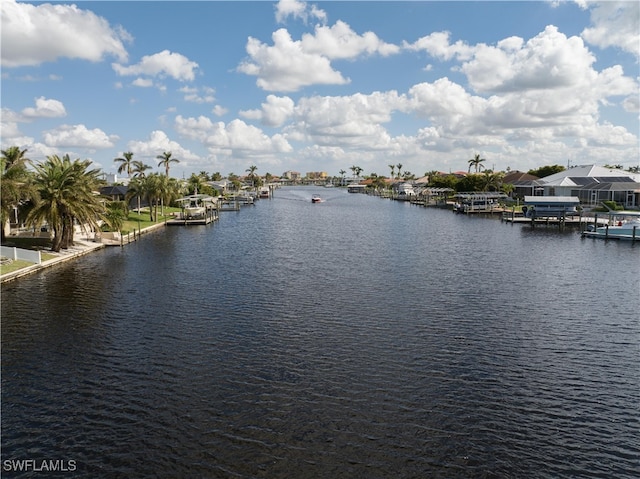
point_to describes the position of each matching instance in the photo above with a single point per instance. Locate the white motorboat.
(622, 226)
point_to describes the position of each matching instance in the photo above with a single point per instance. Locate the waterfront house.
(524, 184)
(592, 185)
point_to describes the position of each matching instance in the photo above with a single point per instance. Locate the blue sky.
(323, 86)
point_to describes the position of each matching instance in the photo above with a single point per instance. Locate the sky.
(323, 86)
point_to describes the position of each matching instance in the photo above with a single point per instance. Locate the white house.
(593, 184)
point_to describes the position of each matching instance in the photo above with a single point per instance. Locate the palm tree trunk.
(56, 243)
(67, 232)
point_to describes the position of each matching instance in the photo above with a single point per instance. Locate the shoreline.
(81, 247)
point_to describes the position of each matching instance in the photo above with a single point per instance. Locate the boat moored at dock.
(196, 209)
(622, 225)
(550, 206)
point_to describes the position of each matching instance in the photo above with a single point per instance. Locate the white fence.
(19, 253)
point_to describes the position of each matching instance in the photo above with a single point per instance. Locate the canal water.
(354, 338)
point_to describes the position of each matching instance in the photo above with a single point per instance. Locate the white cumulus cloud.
(157, 143)
(341, 42)
(285, 66)
(33, 34)
(298, 9)
(78, 136)
(615, 24)
(161, 64)
(234, 136)
(45, 108)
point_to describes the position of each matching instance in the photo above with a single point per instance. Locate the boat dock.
(572, 220)
(196, 210)
(180, 220)
(620, 225)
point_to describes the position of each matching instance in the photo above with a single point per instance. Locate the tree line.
(61, 192)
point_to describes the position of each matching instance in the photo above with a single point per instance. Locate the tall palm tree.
(151, 190)
(166, 160)
(393, 169)
(399, 166)
(135, 190)
(138, 169)
(16, 185)
(66, 195)
(252, 170)
(171, 189)
(476, 162)
(126, 163)
(356, 170)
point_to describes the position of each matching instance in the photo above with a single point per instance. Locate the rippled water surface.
(355, 338)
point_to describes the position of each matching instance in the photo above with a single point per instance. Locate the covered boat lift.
(198, 209)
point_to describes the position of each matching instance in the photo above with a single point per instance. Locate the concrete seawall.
(81, 247)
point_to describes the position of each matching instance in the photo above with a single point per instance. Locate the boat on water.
(316, 199)
(265, 192)
(196, 206)
(196, 209)
(621, 226)
(404, 192)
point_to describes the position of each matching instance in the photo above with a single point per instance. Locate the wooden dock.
(519, 218)
(180, 219)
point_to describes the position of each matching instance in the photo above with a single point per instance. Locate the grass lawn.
(14, 266)
(20, 263)
(139, 221)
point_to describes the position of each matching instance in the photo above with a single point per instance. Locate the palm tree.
(66, 189)
(115, 215)
(151, 188)
(476, 161)
(126, 163)
(166, 160)
(492, 181)
(393, 169)
(139, 169)
(135, 190)
(196, 184)
(399, 166)
(432, 175)
(252, 170)
(16, 183)
(168, 190)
